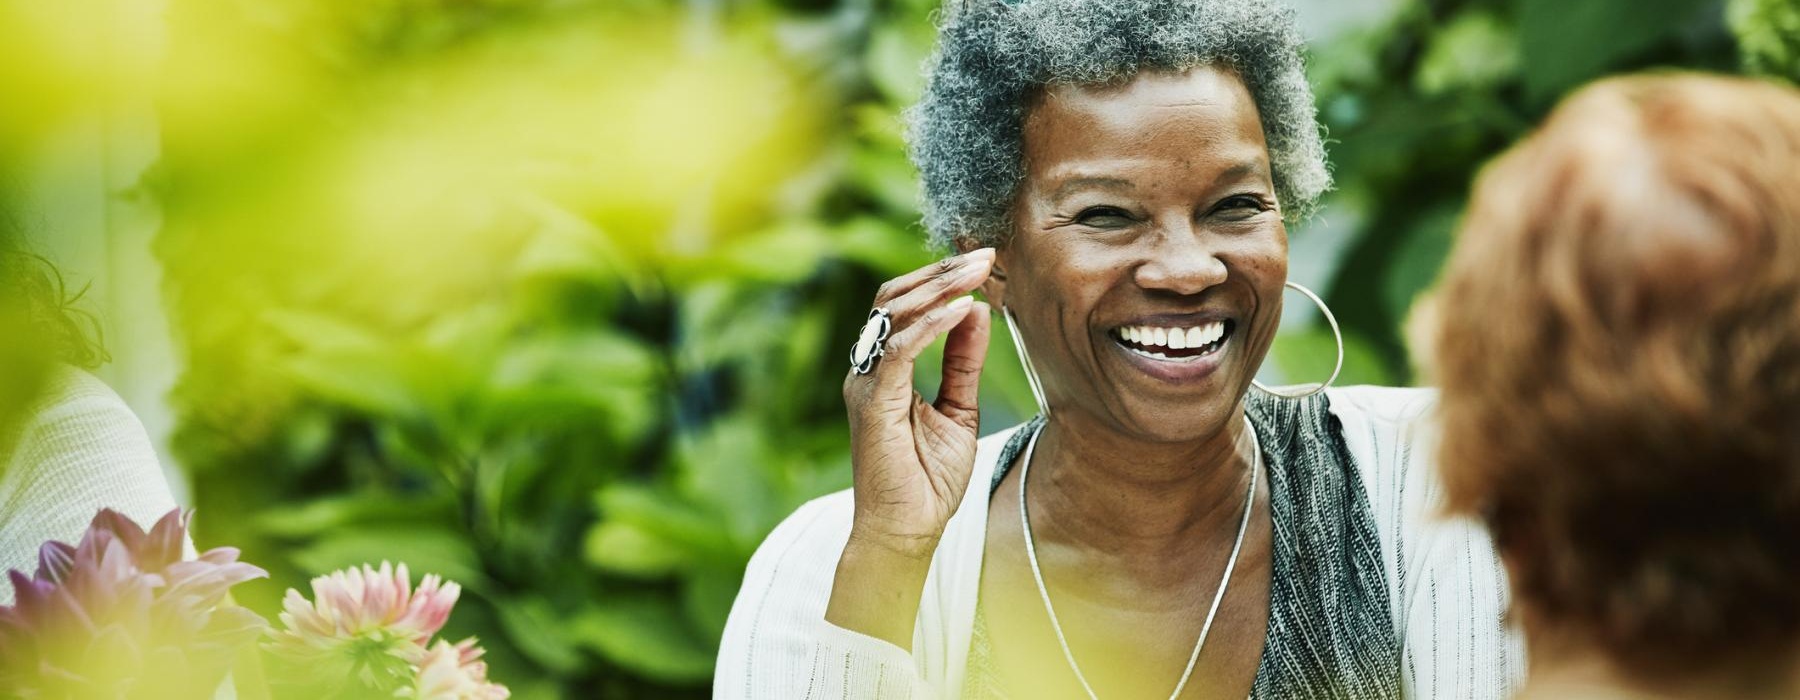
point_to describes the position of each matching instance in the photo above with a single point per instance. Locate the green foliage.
(1416, 105)
(1768, 33)
(429, 319)
(588, 412)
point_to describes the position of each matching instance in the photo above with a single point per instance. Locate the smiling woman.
(1118, 177)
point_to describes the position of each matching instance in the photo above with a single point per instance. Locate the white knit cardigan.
(1447, 587)
(78, 449)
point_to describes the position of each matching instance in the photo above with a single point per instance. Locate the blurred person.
(1118, 175)
(1619, 351)
(69, 446)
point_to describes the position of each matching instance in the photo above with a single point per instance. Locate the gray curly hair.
(966, 133)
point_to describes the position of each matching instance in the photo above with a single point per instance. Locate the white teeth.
(1174, 338)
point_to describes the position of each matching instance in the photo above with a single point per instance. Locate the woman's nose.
(1181, 262)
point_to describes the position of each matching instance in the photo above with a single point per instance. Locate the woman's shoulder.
(1385, 404)
(78, 449)
(76, 412)
(1390, 435)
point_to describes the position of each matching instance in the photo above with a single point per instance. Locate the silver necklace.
(1037, 574)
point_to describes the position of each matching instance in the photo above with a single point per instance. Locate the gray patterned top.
(1331, 632)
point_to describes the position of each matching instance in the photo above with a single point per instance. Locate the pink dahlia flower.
(454, 672)
(364, 625)
(121, 616)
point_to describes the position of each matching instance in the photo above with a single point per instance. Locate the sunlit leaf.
(646, 635)
(541, 633)
(1476, 50)
(1305, 357)
(699, 534)
(625, 549)
(425, 550)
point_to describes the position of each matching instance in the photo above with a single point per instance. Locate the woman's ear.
(994, 289)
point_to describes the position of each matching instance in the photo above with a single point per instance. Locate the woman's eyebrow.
(1241, 169)
(1075, 184)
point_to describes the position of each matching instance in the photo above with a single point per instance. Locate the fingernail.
(960, 303)
(985, 253)
(977, 267)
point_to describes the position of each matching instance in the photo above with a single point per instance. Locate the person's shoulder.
(1383, 404)
(1391, 436)
(80, 449)
(75, 412)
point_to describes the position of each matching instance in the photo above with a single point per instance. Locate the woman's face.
(1148, 256)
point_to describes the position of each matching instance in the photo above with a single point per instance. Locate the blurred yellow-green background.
(553, 297)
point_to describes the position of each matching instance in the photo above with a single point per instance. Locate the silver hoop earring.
(1031, 375)
(1336, 334)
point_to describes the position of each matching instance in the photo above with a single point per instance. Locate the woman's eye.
(1243, 206)
(1103, 217)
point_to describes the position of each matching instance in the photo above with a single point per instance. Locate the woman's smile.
(1180, 349)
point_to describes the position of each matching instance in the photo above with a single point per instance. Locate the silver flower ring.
(868, 343)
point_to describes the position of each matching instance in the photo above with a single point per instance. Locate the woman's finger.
(948, 267)
(935, 292)
(893, 375)
(964, 352)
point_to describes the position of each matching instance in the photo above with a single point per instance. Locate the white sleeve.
(1446, 585)
(777, 644)
(80, 451)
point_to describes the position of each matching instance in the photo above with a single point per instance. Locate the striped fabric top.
(1331, 625)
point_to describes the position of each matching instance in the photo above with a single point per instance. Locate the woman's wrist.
(878, 585)
(901, 547)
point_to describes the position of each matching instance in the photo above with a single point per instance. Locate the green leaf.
(889, 176)
(730, 469)
(1476, 50)
(701, 535)
(1768, 34)
(424, 550)
(896, 58)
(569, 246)
(1306, 356)
(706, 598)
(561, 376)
(645, 635)
(345, 364)
(1419, 256)
(1566, 43)
(622, 548)
(321, 516)
(889, 249)
(541, 633)
(784, 254)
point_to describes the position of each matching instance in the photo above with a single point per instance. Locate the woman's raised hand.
(913, 459)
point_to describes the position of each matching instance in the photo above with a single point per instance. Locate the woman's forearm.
(877, 588)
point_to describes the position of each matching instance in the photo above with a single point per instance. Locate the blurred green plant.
(552, 297)
(574, 341)
(1768, 33)
(1417, 104)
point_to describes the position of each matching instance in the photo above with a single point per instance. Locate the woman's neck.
(1092, 487)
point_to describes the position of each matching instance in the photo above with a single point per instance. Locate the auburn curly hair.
(1619, 354)
(39, 311)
